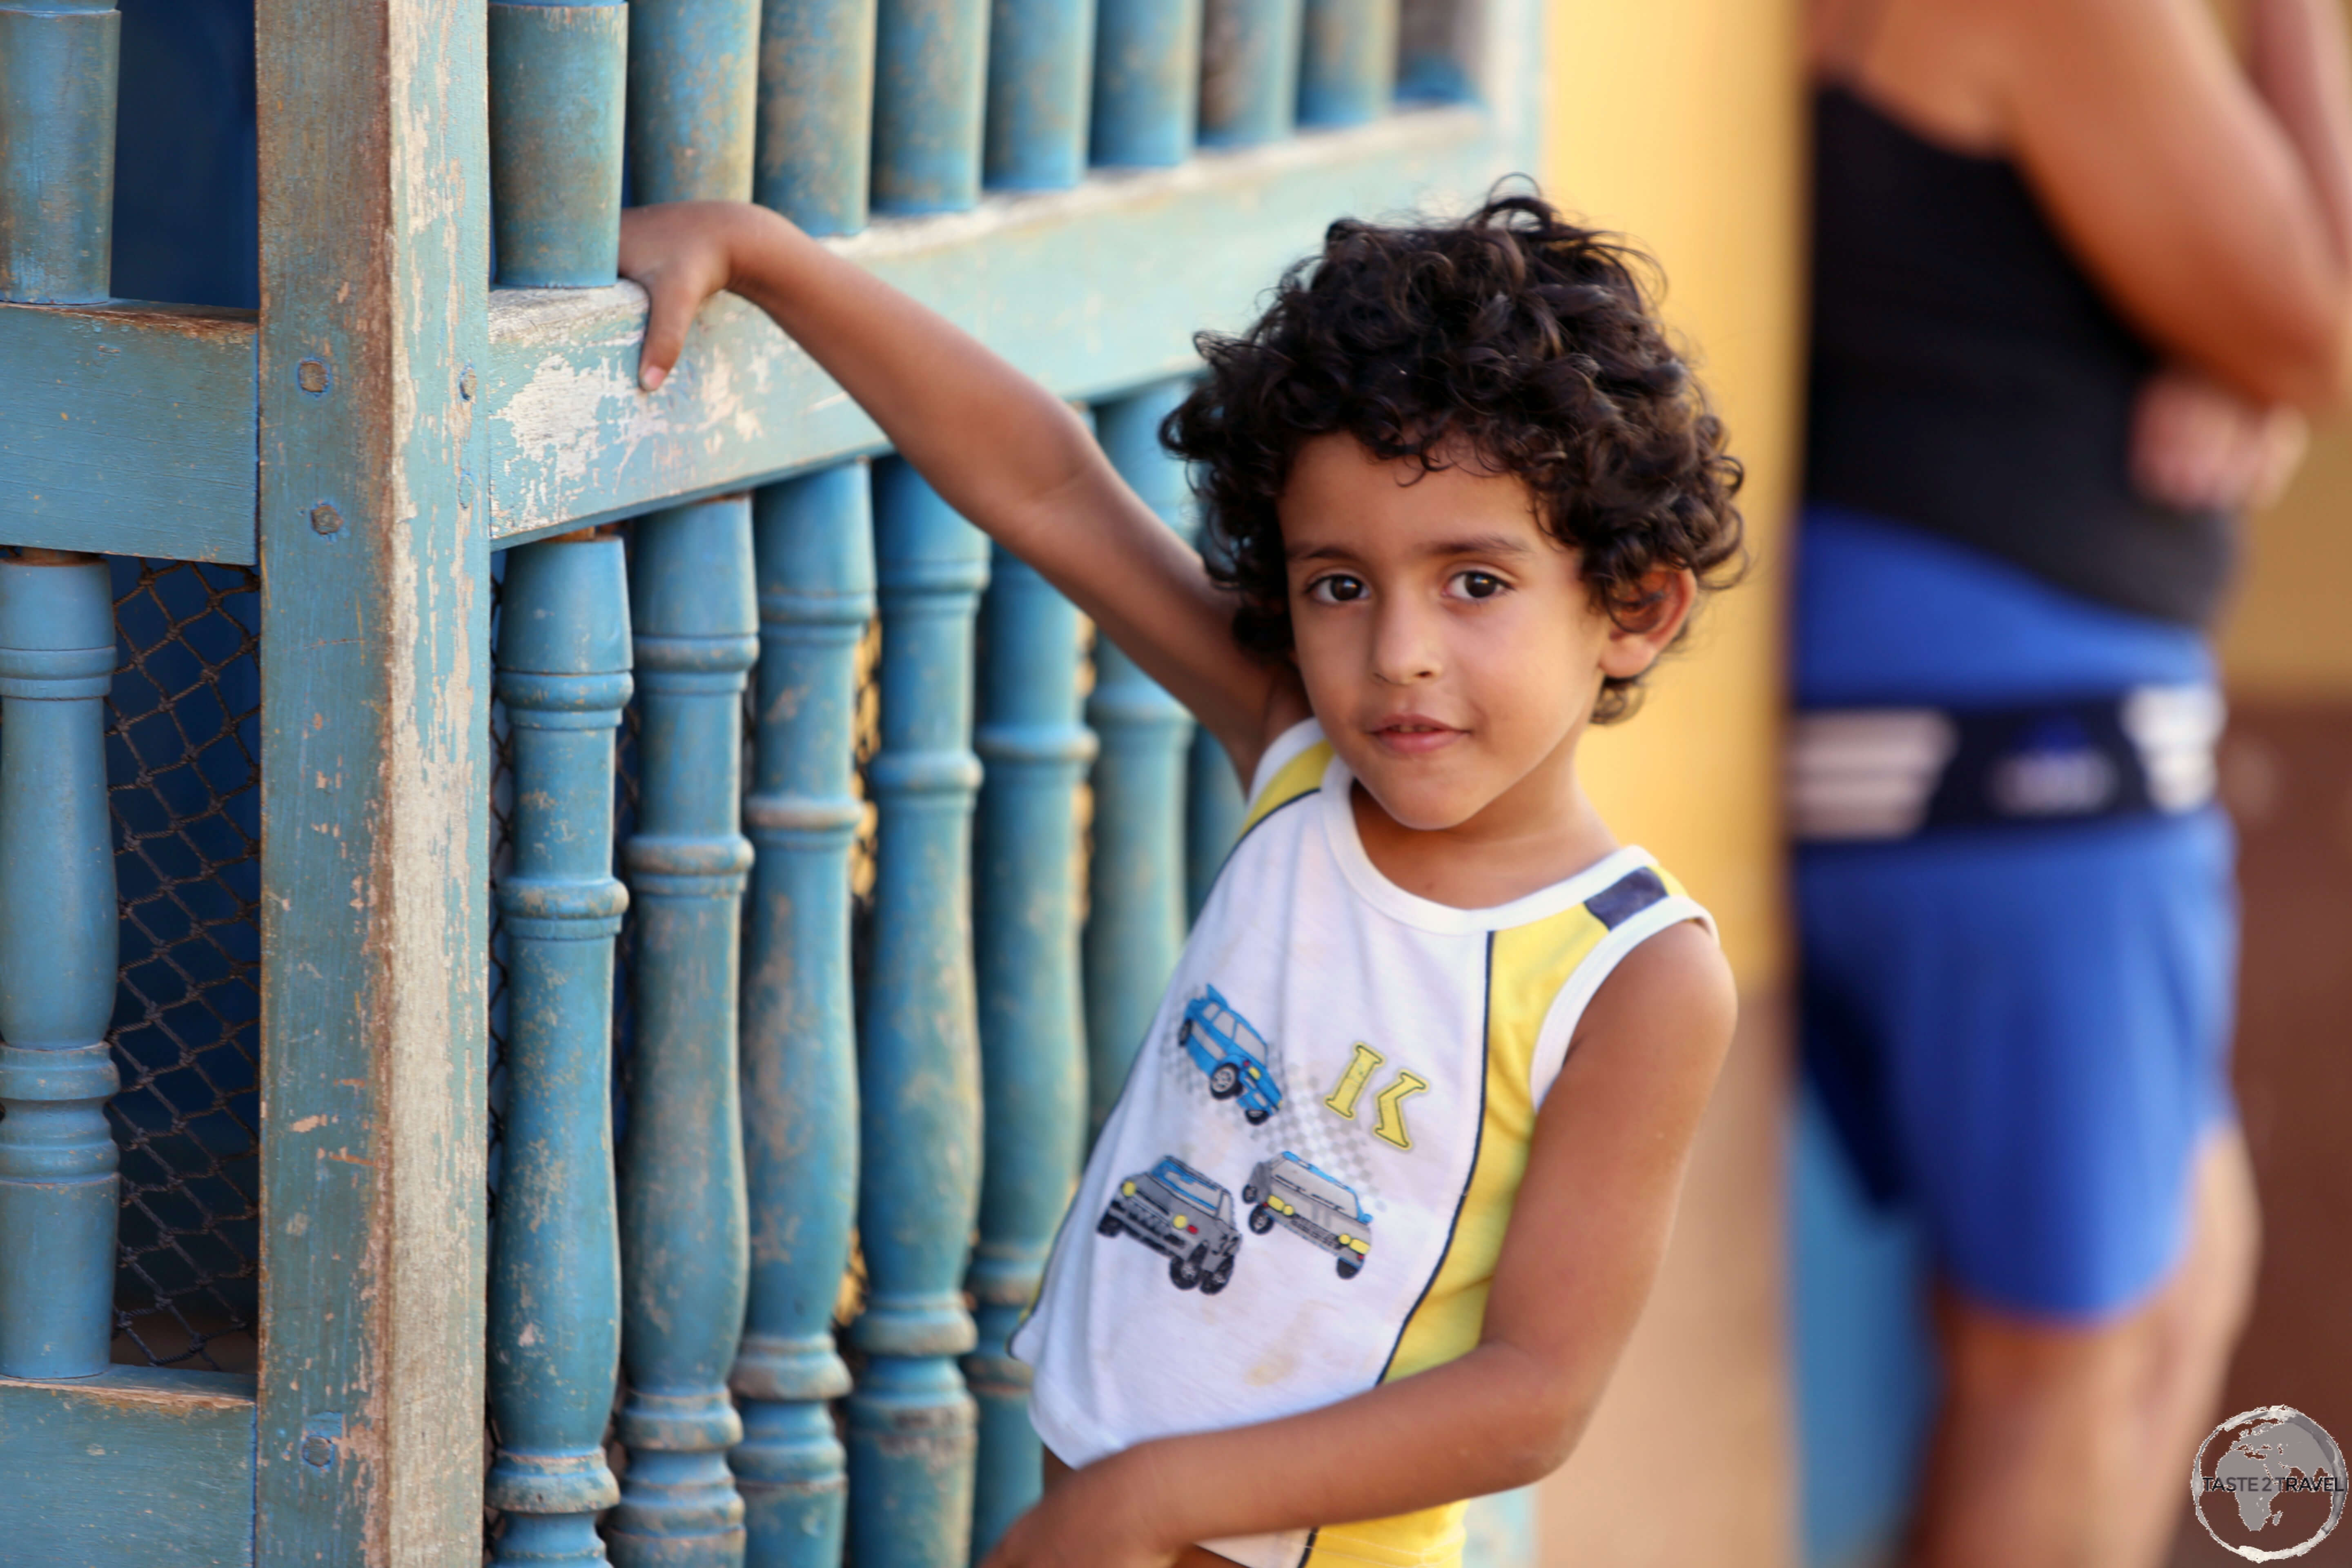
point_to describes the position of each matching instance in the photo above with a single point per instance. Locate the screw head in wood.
(325, 518)
(312, 376)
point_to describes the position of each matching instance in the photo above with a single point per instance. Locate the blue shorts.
(2020, 1032)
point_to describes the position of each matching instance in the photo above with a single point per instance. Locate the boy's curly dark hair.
(1512, 333)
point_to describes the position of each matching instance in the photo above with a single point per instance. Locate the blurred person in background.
(2076, 270)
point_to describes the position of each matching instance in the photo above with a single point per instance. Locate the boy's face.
(1449, 645)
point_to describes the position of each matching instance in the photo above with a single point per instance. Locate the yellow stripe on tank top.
(1527, 967)
(1301, 774)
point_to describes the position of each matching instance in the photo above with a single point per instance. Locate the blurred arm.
(2214, 205)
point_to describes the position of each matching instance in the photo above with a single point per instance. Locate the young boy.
(1391, 1175)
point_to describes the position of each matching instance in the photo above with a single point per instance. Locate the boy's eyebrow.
(1472, 544)
(1478, 544)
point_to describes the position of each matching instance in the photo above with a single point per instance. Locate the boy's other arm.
(997, 446)
(1587, 1236)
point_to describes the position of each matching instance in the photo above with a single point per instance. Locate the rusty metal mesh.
(184, 776)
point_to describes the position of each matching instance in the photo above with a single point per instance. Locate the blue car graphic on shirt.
(1311, 1202)
(1223, 1045)
(1183, 1216)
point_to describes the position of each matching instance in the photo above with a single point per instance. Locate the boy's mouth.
(1414, 734)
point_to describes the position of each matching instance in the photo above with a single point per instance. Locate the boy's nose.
(1405, 649)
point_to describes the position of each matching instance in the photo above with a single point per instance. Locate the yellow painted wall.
(2287, 635)
(1679, 124)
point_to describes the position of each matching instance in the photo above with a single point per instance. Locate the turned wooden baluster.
(1039, 82)
(1348, 61)
(1031, 1039)
(910, 1420)
(817, 113)
(1135, 906)
(684, 1231)
(555, 1265)
(1212, 817)
(930, 91)
(57, 148)
(693, 99)
(693, 88)
(558, 73)
(815, 544)
(1147, 82)
(58, 1188)
(1249, 71)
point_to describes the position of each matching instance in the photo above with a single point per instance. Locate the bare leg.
(2202, 1311)
(2060, 1445)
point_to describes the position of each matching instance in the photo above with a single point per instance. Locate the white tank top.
(1303, 1189)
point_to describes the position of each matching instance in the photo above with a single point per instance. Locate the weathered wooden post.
(910, 1420)
(693, 98)
(558, 70)
(57, 1183)
(1147, 82)
(57, 148)
(1249, 71)
(1135, 906)
(1032, 1047)
(930, 98)
(1039, 52)
(683, 1224)
(555, 1268)
(1347, 62)
(375, 679)
(815, 546)
(817, 113)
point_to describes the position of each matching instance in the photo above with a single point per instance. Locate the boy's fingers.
(666, 325)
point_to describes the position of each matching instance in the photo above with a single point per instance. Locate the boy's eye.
(1335, 589)
(1478, 585)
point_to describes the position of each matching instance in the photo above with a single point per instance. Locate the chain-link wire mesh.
(184, 776)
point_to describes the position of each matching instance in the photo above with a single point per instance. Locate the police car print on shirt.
(1310, 1202)
(1230, 1051)
(1186, 1216)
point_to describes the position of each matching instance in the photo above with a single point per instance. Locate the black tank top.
(1967, 378)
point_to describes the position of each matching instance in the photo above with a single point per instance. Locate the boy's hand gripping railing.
(57, 939)
(910, 1420)
(1032, 1051)
(555, 1267)
(815, 544)
(1135, 910)
(683, 1225)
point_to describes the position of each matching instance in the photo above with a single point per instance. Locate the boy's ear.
(1641, 631)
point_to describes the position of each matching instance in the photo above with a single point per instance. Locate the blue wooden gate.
(521, 895)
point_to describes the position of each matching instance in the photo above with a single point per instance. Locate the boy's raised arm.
(999, 448)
